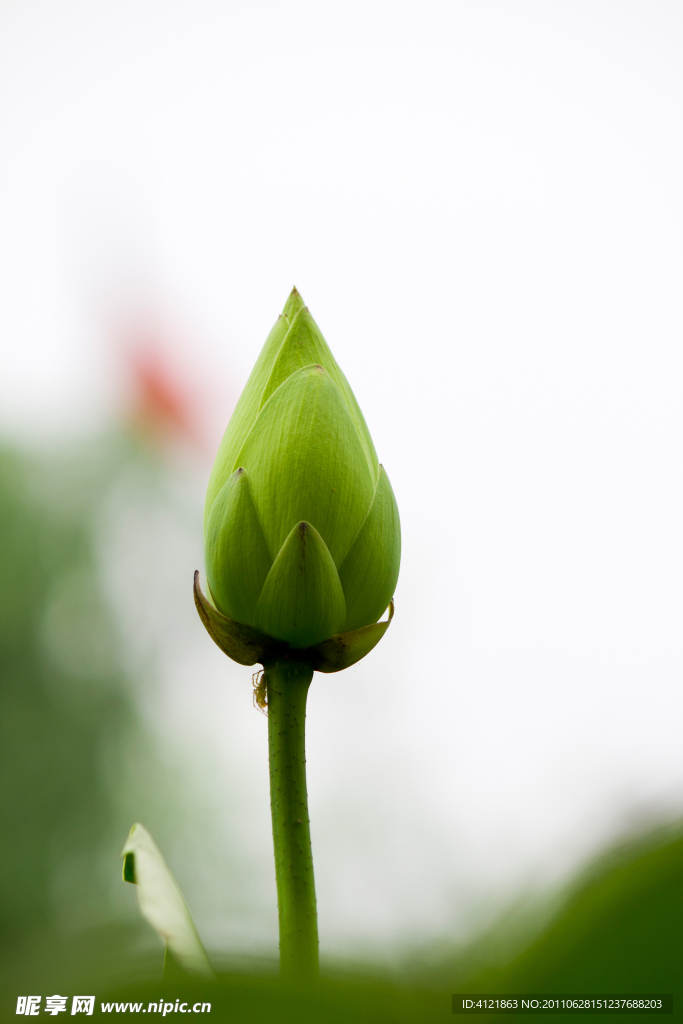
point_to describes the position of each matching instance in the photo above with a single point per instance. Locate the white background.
(481, 204)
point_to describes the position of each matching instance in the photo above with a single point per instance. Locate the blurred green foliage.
(68, 725)
(622, 929)
(618, 931)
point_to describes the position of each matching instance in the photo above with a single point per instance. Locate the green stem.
(287, 685)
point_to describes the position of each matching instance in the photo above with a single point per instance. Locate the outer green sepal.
(248, 646)
(345, 649)
(243, 644)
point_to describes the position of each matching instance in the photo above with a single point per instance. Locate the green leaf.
(369, 571)
(345, 649)
(244, 414)
(306, 464)
(161, 901)
(302, 601)
(303, 345)
(236, 553)
(243, 644)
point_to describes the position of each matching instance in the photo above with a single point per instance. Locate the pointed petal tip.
(302, 601)
(293, 305)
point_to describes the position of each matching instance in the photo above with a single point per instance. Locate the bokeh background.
(481, 204)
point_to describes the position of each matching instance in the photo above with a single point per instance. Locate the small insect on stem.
(260, 691)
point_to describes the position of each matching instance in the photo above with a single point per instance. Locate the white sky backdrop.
(481, 202)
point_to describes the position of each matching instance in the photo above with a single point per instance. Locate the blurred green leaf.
(621, 930)
(618, 929)
(161, 902)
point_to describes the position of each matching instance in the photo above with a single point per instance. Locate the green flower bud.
(301, 529)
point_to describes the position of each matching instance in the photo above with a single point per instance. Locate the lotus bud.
(301, 530)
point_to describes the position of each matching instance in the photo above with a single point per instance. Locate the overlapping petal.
(236, 552)
(304, 344)
(306, 463)
(302, 601)
(369, 571)
(246, 410)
